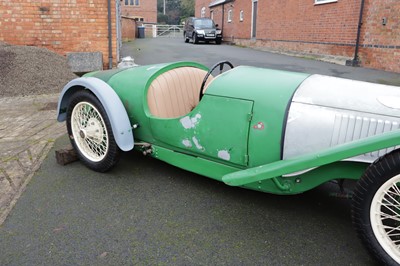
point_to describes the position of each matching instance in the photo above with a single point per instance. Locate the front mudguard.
(121, 126)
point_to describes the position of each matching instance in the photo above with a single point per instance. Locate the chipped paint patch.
(224, 154)
(259, 126)
(187, 143)
(188, 122)
(196, 142)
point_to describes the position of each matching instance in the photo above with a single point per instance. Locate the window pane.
(137, 2)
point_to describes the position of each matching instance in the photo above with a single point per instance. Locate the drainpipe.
(110, 58)
(223, 18)
(356, 61)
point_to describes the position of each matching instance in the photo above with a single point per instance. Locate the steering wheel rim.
(221, 67)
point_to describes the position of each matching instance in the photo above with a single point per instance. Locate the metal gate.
(163, 31)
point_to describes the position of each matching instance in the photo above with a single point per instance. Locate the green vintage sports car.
(267, 130)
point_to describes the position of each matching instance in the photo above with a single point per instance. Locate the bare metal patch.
(224, 154)
(187, 143)
(196, 142)
(188, 122)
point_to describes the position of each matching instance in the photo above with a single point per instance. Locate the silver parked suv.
(202, 29)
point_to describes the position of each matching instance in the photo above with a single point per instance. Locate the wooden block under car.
(66, 155)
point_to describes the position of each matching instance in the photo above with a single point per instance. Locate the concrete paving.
(28, 129)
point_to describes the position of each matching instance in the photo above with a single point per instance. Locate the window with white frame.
(230, 15)
(318, 2)
(241, 15)
(203, 12)
(131, 2)
(212, 15)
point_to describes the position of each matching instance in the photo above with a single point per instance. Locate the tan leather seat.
(176, 92)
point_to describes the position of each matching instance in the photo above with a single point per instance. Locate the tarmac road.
(160, 50)
(145, 212)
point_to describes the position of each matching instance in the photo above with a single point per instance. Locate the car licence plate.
(210, 35)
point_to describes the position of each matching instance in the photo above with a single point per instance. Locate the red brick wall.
(233, 29)
(62, 26)
(302, 26)
(381, 43)
(331, 28)
(147, 9)
(287, 22)
(198, 4)
(243, 28)
(128, 29)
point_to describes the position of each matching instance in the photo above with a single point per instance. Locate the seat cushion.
(175, 92)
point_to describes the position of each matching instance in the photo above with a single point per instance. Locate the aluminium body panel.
(328, 111)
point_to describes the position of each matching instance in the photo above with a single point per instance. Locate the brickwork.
(147, 9)
(62, 26)
(303, 21)
(304, 27)
(198, 4)
(128, 29)
(381, 41)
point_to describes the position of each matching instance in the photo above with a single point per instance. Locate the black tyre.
(218, 41)
(195, 39)
(90, 132)
(376, 209)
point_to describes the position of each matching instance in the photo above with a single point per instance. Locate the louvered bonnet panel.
(327, 111)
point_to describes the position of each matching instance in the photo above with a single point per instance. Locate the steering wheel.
(221, 67)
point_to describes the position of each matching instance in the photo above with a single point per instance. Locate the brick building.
(327, 27)
(140, 10)
(63, 26)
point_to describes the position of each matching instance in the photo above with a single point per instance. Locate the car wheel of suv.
(195, 39)
(218, 41)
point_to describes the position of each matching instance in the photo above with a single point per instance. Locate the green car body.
(242, 144)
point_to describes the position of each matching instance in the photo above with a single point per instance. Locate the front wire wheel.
(90, 132)
(376, 208)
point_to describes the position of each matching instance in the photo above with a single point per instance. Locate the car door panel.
(217, 128)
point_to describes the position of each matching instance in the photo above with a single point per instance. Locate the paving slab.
(28, 129)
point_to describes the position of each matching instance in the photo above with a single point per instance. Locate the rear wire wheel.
(376, 208)
(90, 132)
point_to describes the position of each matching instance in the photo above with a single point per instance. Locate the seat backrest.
(175, 92)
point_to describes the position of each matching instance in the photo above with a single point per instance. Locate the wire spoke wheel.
(89, 131)
(376, 208)
(385, 216)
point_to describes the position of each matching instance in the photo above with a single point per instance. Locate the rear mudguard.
(313, 160)
(121, 126)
